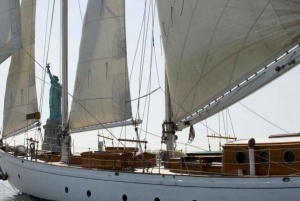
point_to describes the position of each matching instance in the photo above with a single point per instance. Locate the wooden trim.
(128, 140)
(105, 137)
(220, 136)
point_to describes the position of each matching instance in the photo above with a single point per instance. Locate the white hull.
(49, 182)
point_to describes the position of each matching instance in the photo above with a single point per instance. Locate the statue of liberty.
(54, 97)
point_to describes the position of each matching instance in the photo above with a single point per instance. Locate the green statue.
(54, 96)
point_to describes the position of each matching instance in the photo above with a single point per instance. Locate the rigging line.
(224, 123)
(160, 46)
(156, 68)
(151, 64)
(143, 55)
(192, 146)
(231, 122)
(176, 142)
(80, 11)
(263, 117)
(144, 111)
(227, 127)
(137, 47)
(142, 28)
(144, 95)
(207, 134)
(45, 37)
(49, 40)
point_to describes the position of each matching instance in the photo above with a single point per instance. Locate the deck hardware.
(285, 179)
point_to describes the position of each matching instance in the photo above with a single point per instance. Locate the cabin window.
(289, 157)
(264, 157)
(240, 157)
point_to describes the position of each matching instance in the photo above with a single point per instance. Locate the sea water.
(7, 193)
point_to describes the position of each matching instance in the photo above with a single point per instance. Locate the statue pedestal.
(50, 136)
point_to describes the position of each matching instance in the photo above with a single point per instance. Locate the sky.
(278, 102)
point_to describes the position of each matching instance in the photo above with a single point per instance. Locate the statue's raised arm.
(48, 71)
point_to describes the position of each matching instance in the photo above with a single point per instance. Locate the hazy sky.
(278, 102)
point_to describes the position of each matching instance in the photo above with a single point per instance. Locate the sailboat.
(217, 52)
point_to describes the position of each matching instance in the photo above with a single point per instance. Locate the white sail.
(20, 95)
(212, 46)
(101, 91)
(10, 31)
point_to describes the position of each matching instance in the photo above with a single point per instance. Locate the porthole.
(263, 157)
(88, 193)
(66, 189)
(156, 199)
(19, 176)
(289, 157)
(117, 174)
(240, 157)
(124, 197)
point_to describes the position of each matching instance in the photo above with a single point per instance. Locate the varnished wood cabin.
(276, 155)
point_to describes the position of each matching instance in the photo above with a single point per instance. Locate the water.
(8, 194)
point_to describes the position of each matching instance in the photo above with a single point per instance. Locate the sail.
(101, 91)
(10, 32)
(212, 46)
(20, 96)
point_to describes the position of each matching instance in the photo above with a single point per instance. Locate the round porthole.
(263, 157)
(156, 199)
(88, 193)
(124, 197)
(240, 157)
(289, 157)
(66, 189)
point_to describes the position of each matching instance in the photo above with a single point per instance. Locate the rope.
(143, 96)
(80, 11)
(231, 122)
(44, 78)
(263, 118)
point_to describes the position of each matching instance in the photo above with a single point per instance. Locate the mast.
(168, 124)
(64, 64)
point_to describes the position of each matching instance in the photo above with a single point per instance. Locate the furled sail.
(10, 31)
(20, 96)
(215, 47)
(101, 91)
